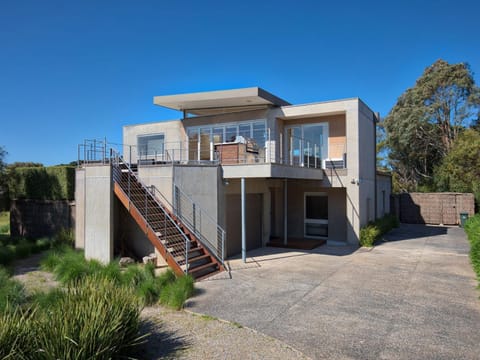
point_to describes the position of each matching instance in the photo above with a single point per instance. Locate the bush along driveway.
(413, 296)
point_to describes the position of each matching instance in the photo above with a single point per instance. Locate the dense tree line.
(432, 135)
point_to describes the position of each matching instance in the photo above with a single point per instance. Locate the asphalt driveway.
(411, 297)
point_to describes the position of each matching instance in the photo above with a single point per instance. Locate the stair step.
(207, 275)
(201, 267)
(195, 259)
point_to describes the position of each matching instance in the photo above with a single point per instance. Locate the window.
(307, 144)
(150, 145)
(316, 215)
(201, 141)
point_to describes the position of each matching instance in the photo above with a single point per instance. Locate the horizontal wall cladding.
(433, 208)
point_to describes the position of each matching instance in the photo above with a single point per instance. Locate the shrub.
(12, 293)
(43, 244)
(175, 294)
(16, 334)
(374, 230)
(7, 255)
(24, 248)
(52, 260)
(5, 229)
(472, 228)
(369, 234)
(64, 237)
(96, 319)
(70, 266)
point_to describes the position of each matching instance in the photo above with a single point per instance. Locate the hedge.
(42, 183)
(472, 228)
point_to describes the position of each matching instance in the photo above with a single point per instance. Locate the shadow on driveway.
(415, 231)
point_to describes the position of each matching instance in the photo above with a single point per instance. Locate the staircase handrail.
(115, 159)
(217, 250)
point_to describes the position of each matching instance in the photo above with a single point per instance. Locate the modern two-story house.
(242, 168)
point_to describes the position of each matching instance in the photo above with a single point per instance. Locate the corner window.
(150, 145)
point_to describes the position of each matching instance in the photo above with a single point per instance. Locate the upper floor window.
(202, 140)
(150, 145)
(307, 144)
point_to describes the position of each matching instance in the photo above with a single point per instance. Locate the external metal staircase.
(181, 245)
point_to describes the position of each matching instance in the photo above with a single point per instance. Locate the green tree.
(460, 169)
(426, 119)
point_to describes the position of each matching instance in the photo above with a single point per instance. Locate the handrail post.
(129, 191)
(146, 204)
(223, 245)
(194, 218)
(187, 250)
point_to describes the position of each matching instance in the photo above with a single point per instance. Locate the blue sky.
(75, 70)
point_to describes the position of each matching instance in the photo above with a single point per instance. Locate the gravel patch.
(28, 272)
(186, 335)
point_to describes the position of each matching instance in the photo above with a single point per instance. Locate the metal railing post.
(146, 204)
(129, 190)
(291, 150)
(194, 218)
(223, 245)
(308, 154)
(187, 250)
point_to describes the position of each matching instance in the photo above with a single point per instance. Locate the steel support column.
(244, 241)
(285, 211)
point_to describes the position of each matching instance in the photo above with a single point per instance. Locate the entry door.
(316, 215)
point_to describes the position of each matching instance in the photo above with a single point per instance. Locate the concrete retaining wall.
(37, 218)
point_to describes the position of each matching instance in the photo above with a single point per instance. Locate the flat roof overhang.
(215, 102)
(237, 171)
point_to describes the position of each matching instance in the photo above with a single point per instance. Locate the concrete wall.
(384, 190)
(80, 208)
(337, 220)
(173, 131)
(161, 176)
(366, 163)
(129, 239)
(260, 187)
(99, 210)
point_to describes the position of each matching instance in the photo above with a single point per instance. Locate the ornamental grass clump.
(12, 293)
(174, 294)
(16, 333)
(94, 319)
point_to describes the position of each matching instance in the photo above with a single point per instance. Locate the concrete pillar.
(99, 213)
